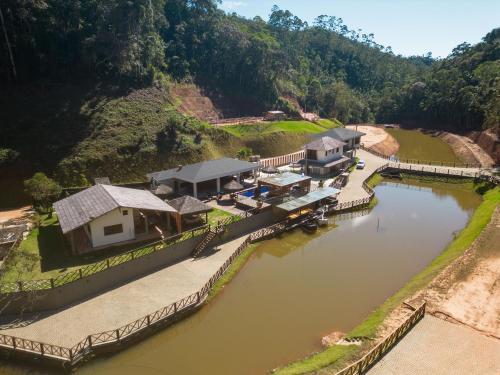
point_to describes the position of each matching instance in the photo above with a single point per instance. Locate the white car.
(361, 164)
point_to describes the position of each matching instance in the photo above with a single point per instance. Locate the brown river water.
(298, 288)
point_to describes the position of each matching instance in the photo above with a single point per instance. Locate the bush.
(43, 190)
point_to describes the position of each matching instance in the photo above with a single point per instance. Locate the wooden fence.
(281, 160)
(92, 343)
(68, 277)
(345, 206)
(359, 367)
(422, 162)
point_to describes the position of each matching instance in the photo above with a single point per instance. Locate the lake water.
(419, 146)
(298, 288)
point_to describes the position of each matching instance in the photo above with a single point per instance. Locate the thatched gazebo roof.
(233, 186)
(270, 169)
(188, 205)
(163, 190)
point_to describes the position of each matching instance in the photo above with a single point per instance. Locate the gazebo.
(162, 191)
(233, 186)
(188, 210)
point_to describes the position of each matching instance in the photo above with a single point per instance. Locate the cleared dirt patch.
(467, 150)
(377, 139)
(16, 214)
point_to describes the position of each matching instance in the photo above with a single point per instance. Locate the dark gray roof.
(341, 134)
(324, 144)
(189, 205)
(89, 204)
(204, 171)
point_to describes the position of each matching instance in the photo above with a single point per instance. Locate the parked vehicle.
(361, 164)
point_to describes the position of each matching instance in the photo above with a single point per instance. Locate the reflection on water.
(298, 288)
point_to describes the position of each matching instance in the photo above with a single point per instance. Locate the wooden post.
(80, 272)
(117, 334)
(148, 320)
(89, 341)
(52, 283)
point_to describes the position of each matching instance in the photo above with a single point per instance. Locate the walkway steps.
(202, 245)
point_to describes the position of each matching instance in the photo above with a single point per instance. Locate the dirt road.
(18, 213)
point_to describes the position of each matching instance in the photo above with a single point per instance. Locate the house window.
(125, 212)
(113, 229)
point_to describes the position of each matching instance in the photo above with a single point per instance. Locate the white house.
(106, 215)
(324, 157)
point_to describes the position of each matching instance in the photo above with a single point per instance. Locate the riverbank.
(387, 316)
(466, 150)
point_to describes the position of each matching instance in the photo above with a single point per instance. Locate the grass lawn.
(44, 254)
(329, 124)
(233, 269)
(344, 354)
(216, 214)
(304, 127)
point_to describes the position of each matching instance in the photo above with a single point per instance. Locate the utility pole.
(14, 73)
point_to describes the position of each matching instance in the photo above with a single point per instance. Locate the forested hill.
(461, 92)
(331, 69)
(84, 82)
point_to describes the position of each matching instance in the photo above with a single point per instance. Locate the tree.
(244, 153)
(43, 190)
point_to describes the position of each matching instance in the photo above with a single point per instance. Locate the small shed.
(188, 210)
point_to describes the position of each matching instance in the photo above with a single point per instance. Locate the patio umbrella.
(270, 169)
(233, 186)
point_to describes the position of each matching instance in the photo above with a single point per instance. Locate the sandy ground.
(18, 213)
(466, 292)
(467, 150)
(377, 139)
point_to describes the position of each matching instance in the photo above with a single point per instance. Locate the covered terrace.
(204, 178)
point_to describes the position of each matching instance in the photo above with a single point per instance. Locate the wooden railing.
(359, 367)
(278, 161)
(460, 172)
(362, 201)
(71, 356)
(268, 232)
(423, 162)
(68, 277)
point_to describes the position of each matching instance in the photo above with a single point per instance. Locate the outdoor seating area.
(190, 213)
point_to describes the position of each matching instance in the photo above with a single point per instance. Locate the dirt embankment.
(489, 141)
(468, 290)
(466, 150)
(377, 139)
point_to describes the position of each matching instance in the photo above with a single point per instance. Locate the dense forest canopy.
(327, 67)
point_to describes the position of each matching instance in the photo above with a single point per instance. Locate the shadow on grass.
(55, 253)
